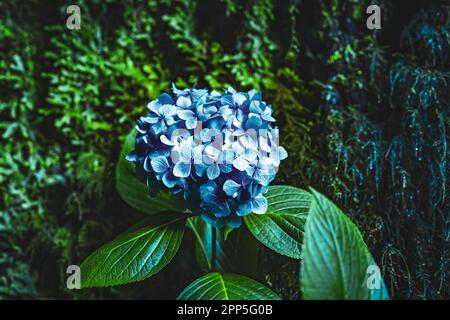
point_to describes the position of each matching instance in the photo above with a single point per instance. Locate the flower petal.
(254, 122)
(250, 154)
(147, 166)
(213, 171)
(240, 163)
(168, 110)
(254, 107)
(254, 95)
(182, 170)
(220, 209)
(264, 144)
(132, 156)
(166, 140)
(165, 99)
(244, 208)
(230, 187)
(185, 114)
(226, 100)
(236, 122)
(259, 204)
(184, 102)
(214, 153)
(248, 141)
(239, 98)
(225, 168)
(231, 90)
(200, 169)
(170, 121)
(282, 153)
(160, 164)
(198, 93)
(169, 180)
(191, 123)
(158, 127)
(154, 106)
(151, 118)
(275, 158)
(267, 117)
(263, 177)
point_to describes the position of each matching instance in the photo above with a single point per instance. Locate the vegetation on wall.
(364, 115)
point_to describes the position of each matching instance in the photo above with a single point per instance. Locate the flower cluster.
(219, 150)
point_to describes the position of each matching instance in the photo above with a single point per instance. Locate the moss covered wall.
(364, 116)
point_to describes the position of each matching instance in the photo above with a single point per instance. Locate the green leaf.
(281, 227)
(335, 258)
(228, 286)
(138, 253)
(239, 252)
(134, 192)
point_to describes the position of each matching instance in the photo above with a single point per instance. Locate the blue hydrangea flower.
(220, 151)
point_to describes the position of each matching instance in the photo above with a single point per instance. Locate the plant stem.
(213, 249)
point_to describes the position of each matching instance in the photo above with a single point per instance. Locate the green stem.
(213, 249)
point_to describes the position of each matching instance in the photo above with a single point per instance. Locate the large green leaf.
(134, 192)
(281, 227)
(335, 258)
(138, 253)
(237, 253)
(227, 286)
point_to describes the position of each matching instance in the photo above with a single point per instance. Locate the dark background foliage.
(364, 115)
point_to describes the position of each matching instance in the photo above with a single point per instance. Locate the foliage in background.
(364, 116)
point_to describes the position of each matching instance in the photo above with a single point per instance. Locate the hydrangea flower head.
(219, 150)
